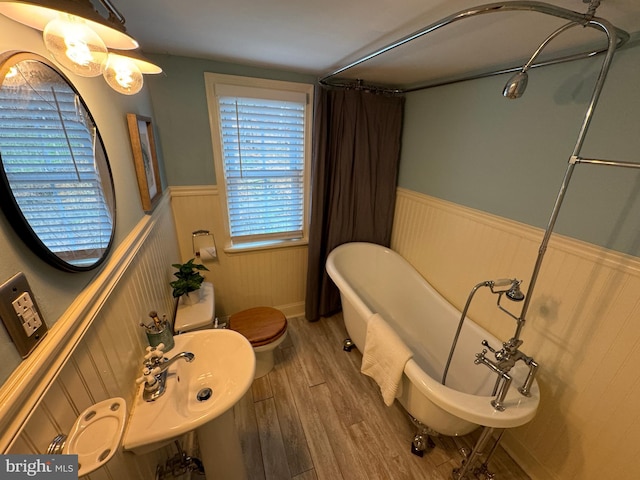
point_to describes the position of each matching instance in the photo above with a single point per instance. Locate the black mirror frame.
(8, 203)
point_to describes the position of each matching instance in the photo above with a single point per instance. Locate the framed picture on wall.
(145, 160)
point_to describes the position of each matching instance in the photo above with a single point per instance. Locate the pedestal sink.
(200, 396)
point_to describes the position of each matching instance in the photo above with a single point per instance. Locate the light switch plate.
(21, 315)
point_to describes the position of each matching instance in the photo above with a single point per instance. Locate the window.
(261, 137)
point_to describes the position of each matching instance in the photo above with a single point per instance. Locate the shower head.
(514, 293)
(516, 85)
(518, 82)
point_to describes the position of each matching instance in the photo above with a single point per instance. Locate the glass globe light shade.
(75, 46)
(38, 13)
(123, 75)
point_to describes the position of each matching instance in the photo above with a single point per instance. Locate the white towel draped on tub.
(384, 357)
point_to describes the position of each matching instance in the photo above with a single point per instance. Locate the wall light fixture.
(85, 42)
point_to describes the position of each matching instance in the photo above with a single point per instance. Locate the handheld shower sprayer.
(501, 286)
(506, 357)
(510, 288)
(513, 292)
(501, 282)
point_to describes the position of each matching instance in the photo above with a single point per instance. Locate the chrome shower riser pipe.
(604, 69)
(542, 46)
(475, 455)
(606, 163)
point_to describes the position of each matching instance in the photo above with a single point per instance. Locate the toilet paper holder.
(198, 243)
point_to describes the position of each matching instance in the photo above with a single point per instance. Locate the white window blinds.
(263, 145)
(58, 189)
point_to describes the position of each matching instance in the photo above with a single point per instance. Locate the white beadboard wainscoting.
(583, 328)
(275, 277)
(95, 350)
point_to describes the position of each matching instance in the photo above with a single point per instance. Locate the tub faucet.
(154, 372)
(505, 360)
(510, 353)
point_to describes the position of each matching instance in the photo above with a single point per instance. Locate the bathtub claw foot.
(348, 345)
(422, 439)
(421, 443)
(417, 448)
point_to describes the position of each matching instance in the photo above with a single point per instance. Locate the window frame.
(219, 84)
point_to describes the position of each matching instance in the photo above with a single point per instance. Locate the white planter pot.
(191, 298)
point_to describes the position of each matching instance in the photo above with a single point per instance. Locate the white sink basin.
(224, 362)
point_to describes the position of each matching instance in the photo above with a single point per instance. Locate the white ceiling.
(318, 37)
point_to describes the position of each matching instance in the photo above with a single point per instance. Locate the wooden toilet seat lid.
(259, 325)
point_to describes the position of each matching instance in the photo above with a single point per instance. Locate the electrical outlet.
(21, 315)
(27, 313)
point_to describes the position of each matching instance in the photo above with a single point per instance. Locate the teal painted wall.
(467, 144)
(181, 115)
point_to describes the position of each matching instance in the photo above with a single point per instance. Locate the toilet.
(264, 327)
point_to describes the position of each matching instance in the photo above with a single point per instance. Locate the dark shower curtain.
(355, 169)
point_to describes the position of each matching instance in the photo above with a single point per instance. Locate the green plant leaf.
(188, 277)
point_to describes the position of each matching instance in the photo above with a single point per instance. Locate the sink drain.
(204, 394)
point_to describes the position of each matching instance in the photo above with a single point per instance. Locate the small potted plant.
(189, 280)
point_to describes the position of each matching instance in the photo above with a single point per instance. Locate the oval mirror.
(56, 187)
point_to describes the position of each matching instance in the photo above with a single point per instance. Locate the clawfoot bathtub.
(373, 279)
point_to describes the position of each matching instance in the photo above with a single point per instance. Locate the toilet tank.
(197, 316)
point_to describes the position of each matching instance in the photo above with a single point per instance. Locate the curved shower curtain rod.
(584, 19)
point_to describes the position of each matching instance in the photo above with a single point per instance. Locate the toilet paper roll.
(208, 253)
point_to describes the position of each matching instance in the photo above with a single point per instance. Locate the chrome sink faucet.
(188, 356)
(154, 372)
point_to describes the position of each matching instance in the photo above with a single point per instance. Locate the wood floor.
(316, 417)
